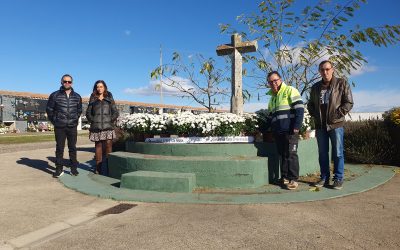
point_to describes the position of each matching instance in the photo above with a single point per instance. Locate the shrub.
(263, 120)
(121, 137)
(392, 116)
(369, 142)
(392, 120)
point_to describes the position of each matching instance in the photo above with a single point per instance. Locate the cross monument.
(235, 50)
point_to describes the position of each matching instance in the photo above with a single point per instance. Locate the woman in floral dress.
(102, 114)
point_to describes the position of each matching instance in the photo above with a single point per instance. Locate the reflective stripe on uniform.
(284, 116)
(298, 106)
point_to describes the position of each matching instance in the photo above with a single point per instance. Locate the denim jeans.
(336, 137)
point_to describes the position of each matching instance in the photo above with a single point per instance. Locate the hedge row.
(373, 141)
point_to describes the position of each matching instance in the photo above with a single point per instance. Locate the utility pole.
(161, 77)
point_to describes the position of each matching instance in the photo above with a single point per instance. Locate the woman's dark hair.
(105, 94)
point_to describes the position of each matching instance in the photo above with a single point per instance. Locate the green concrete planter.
(216, 171)
(236, 165)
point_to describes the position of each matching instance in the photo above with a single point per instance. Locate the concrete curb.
(47, 232)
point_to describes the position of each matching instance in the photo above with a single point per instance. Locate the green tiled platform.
(236, 165)
(215, 171)
(367, 177)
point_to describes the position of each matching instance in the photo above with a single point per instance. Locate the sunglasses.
(67, 82)
(273, 81)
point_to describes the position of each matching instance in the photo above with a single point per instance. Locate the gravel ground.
(8, 148)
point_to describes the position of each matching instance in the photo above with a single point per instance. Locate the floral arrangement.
(3, 129)
(204, 124)
(189, 124)
(40, 127)
(308, 122)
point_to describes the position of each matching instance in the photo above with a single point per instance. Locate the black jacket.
(64, 111)
(102, 114)
(340, 103)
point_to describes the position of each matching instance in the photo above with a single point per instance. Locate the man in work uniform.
(286, 111)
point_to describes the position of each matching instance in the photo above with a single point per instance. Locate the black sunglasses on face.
(67, 82)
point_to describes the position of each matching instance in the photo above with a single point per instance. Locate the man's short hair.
(273, 73)
(323, 62)
(66, 75)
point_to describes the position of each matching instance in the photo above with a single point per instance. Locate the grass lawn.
(31, 137)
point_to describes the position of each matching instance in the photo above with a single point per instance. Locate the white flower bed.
(206, 124)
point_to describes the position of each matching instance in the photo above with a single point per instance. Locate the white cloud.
(154, 87)
(127, 32)
(363, 69)
(375, 101)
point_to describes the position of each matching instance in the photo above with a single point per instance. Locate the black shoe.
(74, 172)
(282, 181)
(322, 183)
(59, 172)
(73, 163)
(337, 184)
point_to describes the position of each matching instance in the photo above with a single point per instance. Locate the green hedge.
(370, 142)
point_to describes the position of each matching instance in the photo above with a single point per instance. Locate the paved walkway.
(38, 212)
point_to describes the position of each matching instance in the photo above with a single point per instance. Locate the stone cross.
(235, 50)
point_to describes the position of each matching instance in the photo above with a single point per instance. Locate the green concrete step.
(216, 171)
(159, 181)
(307, 151)
(307, 147)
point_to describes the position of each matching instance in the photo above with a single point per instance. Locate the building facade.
(20, 110)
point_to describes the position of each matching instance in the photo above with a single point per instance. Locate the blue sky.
(119, 41)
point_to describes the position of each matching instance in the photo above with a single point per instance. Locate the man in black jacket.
(330, 100)
(64, 108)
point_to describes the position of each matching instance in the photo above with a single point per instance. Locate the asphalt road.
(38, 212)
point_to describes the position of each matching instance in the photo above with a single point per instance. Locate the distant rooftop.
(138, 104)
